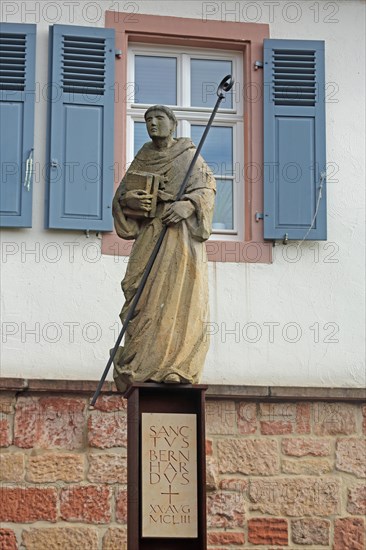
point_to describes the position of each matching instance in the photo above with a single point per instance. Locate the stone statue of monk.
(166, 340)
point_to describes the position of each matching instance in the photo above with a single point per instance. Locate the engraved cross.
(170, 494)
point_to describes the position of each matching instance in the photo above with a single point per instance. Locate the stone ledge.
(266, 393)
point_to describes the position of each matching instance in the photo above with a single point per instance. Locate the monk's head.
(160, 122)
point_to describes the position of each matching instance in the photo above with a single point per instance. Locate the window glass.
(155, 80)
(218, 153)
(140, 136)
(223, 214)
(217, 149)
(206, 75)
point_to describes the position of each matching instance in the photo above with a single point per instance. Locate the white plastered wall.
(296, 322)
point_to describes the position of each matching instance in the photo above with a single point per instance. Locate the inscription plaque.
(169, 475)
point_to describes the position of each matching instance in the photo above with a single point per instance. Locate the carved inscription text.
(169, 475)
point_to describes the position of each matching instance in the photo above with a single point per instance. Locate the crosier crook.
(225, 85)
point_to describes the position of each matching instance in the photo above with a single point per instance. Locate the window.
(187, 82)
(176, 46)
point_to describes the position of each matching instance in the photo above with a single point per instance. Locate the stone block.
(121, 505)
(247, 418)
(8, 540)
(268, 531)
(349, 534)
(211, 474)
(299, 446)
(248, 456)
(225, 510)
(351, 456)
(28, 504)
(11, 467)
(357, 500)
(111, 403)
(284, 418)
(334, 418)
(107, 468)
(221, 417)
(238, 485)
(115, 539)
(364, 419)
(306, 496)
(89, 504)
(6, 438)
(7, 401)
(49, 422)
(226, 538)
(310, 531)
(315, 466)
(59, 538)
(51, 467)
(107, 430)
(209, 449)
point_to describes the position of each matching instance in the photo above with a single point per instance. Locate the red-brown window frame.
(245, 37)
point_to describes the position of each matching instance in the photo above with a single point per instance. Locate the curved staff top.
(225, 86)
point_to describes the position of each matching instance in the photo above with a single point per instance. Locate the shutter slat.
(298, 84)
(70, 49)
(283, 72)
(74, 62)
(83, 40)
(80, 70)
(295, 63)
(88, 58)
(12, 61)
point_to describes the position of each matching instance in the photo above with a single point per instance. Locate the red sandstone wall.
(280, 475)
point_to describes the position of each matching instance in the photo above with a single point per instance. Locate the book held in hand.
(145, 181)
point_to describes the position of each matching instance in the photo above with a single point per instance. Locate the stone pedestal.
(166, 467)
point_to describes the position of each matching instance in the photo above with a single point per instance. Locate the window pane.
(217, 149)
(155, 80)
(140, 136)
(223, 214)
(206, 75)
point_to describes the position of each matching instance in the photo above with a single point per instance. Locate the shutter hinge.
(258, 65)
(258, 216)
(118, 53)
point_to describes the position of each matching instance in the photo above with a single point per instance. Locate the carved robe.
(168, 331)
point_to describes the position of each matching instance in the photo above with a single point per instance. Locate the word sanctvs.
(167, 464)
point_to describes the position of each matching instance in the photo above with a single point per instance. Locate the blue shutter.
(17, 98)
(81, 122)
(294, 140)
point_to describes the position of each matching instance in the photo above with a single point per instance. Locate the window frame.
(188, 116)
(196, 33)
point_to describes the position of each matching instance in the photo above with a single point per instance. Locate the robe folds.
(168, 331)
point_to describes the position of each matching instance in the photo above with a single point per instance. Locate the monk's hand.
(138, 200)
(178, 211)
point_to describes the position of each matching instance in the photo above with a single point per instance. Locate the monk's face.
(159, 125)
